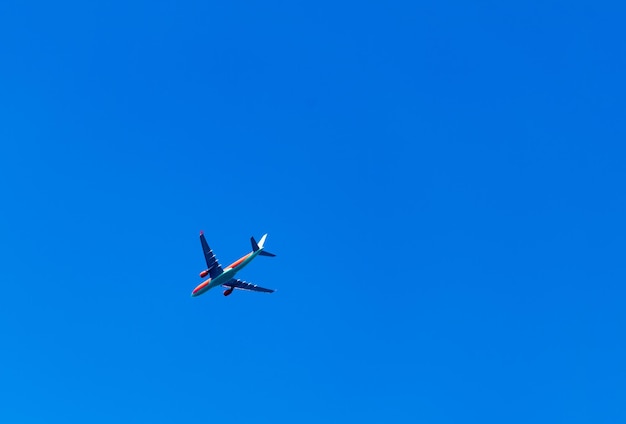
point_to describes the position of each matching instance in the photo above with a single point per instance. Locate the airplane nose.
(201, 288)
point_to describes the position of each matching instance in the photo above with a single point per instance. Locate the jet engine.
(228, 291)
(204, 273)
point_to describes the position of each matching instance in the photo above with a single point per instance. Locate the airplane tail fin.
(259, 246)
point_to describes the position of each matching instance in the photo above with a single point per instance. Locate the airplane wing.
(243, 285)
(211, 261)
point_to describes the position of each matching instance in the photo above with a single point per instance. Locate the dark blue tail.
(259, 246)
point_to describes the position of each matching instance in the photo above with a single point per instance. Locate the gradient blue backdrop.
(443, 183)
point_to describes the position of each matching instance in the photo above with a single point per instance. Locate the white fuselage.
(224, 277)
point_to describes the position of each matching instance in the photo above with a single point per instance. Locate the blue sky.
(443, 183)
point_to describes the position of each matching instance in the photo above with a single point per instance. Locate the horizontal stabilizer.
(264, 253)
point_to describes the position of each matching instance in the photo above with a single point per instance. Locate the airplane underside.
(225, 277)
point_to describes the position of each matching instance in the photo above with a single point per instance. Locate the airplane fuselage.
(229, 272)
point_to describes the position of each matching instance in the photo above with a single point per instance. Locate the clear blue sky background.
(443, 183)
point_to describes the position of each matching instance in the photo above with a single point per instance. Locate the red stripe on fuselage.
(201, 286)
(238, 261)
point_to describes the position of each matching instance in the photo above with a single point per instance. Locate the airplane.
(225, 277)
